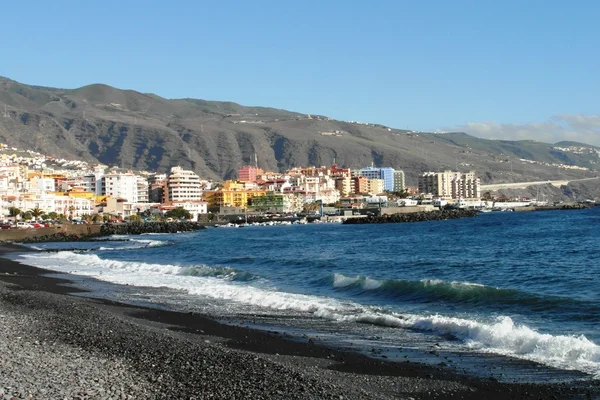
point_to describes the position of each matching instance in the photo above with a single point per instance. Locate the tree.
(71, 211)
(314, 206)
(178, 213)
(86, 217)
(400, 194)
(109, 217)
(14, 211)
(36, 213)
(52, 215)
(26, 215)
(487, 196)
(134, 218)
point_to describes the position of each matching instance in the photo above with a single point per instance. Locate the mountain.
(128, 129)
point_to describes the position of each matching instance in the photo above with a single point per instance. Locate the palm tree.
(36, 212)
(71, 210)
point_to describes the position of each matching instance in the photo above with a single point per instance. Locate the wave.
(466, 293)
(498, 336)
(503, 336)
(425, 289)
(150, 243)
(217, 271)
(136, 244)
(91, 264)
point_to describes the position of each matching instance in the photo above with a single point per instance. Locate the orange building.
(361, 184)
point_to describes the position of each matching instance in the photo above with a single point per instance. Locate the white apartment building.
(315, 187)
(143, 189)
(121, 185)
(182, 185)
(450, 185)
(194, 207)
(327, 196)
(68, 206)
(17, 179)
(4, 186)
(45, 185)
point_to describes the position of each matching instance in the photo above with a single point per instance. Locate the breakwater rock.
(55, 237)
(413, 217)
(137, 228)
(566, 206)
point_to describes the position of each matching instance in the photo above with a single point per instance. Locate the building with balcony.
(249, 173)
(120, 185)
(360, 184)
(375, 186)
(450, 185)
(399, 181)
(387, 174)
(182, 185)
(232, 194)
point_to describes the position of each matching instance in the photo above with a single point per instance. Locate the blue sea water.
(511, 285)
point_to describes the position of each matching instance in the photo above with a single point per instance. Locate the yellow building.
(77, 193)
(376, 186)
(232, 194)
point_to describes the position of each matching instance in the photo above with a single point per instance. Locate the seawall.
(414, 217)
(72, 232)
(58, 231)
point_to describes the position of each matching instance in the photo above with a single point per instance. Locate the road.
(523, 185)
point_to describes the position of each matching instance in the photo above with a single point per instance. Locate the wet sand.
(56, 345)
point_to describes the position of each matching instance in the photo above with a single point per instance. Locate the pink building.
(249, 173)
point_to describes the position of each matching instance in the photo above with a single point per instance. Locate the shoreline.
(197, 357)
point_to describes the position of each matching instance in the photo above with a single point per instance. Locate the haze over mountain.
(128, 129)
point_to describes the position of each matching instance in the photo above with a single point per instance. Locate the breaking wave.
(498, 336)
(465, 293)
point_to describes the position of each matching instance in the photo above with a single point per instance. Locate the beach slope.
(57, 345)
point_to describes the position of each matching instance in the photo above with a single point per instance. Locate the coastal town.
(36, 187)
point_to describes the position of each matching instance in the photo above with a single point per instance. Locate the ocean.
(510, 295)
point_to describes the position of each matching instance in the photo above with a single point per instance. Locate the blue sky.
(500, 69)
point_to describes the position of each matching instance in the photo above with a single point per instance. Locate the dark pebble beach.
(55, 345)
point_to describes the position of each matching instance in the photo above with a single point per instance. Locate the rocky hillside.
(125, 128)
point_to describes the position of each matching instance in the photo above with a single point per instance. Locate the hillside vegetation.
(128, 129)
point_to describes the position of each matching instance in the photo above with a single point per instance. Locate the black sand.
(55, 346)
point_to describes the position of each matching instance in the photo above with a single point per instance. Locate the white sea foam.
(503, 336)
(455, 284)
(371, 284)
(149, 243)
(500, 336)
(340, 280)
(135, 244)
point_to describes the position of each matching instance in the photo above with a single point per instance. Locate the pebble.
(57, 347)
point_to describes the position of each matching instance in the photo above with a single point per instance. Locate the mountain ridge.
(130, 129)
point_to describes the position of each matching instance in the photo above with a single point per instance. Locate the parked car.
(6, 226)
(24, 225)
